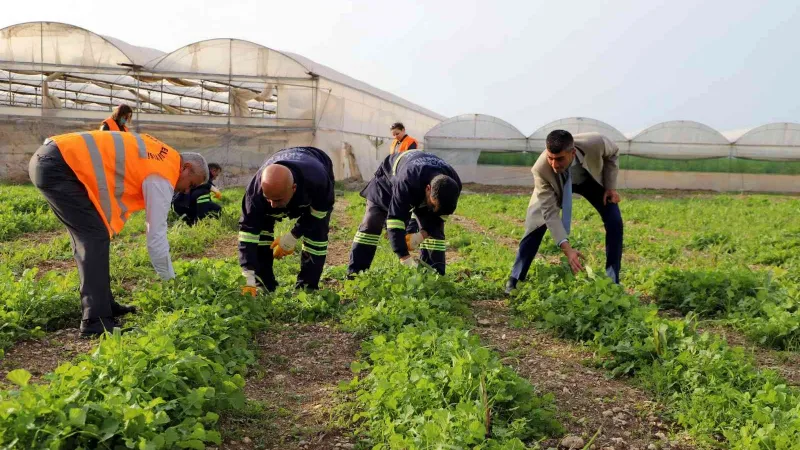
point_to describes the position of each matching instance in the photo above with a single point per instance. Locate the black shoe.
(96, 327)
(119, 310)
(511, 284)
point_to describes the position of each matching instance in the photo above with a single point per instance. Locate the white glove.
(250, 277)
(413, 241)
(409, 262)
(287, 242)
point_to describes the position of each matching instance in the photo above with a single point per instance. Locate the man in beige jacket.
(587, 165)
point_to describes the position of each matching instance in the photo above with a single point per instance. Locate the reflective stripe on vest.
(99, 158)
(407, 141)
(399, 158)
(112, 125)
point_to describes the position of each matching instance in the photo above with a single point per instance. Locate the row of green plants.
(158, 386)
(700, 231)
(764, 308)
(164, 383)
(423, 380)
(22, 211)
(704, 268)
(32, 302)
(155, 387)
(713, 390)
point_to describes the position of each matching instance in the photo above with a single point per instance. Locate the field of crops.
(696, 349)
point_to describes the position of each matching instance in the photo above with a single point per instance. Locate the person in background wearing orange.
(119, 120)
(402, 141)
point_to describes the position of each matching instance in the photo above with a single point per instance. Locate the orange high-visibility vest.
(112, 125)
(112, 165)
(407, 141)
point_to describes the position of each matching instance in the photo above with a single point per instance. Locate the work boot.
(95, 327)
(511, 284)
(119, 310)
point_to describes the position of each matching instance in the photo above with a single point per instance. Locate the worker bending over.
(586, 165)
(406, 182)
(295, 183)
(93, 182)
(119, 119)
(197, 204)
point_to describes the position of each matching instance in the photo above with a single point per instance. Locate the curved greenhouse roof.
(60, 44)
(229, 57)
(778, 140)
(577, 125)
(57, 65)
(475, 132)
(680, 139)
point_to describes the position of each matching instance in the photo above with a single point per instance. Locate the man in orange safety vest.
(93, 182)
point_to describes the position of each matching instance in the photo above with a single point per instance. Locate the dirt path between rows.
(291, 390)
(586, 400)
(42, 356)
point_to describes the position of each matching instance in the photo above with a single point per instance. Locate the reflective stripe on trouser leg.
(365, 242)
(315, 250)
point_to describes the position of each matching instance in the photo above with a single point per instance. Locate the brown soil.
(41, 356)
(226, 246)
(342, 227)
(55, 264)
(496, 189)
(586, 400)
(293, 389)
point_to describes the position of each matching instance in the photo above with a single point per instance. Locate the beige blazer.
(597, 154)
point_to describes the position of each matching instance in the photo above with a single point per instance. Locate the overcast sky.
(729, 64)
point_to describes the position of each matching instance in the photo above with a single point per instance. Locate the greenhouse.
(670, 155)
(233, 100)
(237, 102)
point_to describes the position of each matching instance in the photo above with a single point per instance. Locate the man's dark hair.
(122, 111)
(445, 191)
(214, 166)
(559, 140)
(398, 126)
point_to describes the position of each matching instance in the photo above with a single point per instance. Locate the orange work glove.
(218, 195)
(250, 290)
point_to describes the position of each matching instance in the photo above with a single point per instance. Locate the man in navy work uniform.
(197, 204)
(405, 182)
(295, 183)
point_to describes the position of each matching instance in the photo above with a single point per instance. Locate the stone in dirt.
(572, 442)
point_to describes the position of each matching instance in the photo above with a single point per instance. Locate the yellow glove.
(413, 240)
(250, 290)
(283, 246)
